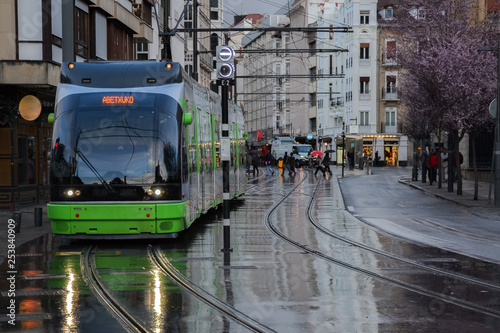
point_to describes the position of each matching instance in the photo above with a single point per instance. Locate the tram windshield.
(113, 140)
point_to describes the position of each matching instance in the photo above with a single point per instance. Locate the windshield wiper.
(96, 173)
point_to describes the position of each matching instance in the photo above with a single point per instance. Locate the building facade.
(263, 87)
(31, 35)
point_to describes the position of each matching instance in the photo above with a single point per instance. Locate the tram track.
(130, 323)
(102, 293)
(335, 235)
(408, 286)
(171, 272)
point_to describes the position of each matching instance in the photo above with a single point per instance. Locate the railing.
(389, 96)
(388, 61)
(389, 129)
(365, 95)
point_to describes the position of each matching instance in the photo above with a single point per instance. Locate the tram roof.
(120, 74)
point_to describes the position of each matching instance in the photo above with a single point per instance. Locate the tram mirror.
(187, 118)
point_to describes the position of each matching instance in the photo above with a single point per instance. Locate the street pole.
(225, 74)
(225, 156)
(496, 149)
(415, 162)
(497, 134)
(343, 149)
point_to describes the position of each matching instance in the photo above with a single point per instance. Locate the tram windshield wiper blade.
(94, 170)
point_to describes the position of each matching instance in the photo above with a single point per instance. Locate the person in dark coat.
(291, 163)
(255, 163)
(432, 163)
(249, 161)
(320, 166)
(326, 164)
(269, 161)
(285, 163)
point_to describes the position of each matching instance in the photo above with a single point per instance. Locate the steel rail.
(93, 280)
(331, 233)
(407, 286)
(169, 270)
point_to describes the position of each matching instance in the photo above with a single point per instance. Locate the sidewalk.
(483, 207)
(28, 230)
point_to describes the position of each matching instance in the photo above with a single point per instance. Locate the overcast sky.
(242, 7)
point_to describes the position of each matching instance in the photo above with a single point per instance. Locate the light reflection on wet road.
(268, 279)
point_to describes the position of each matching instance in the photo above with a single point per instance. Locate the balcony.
(336, 102)
(313, 87)
(388, 128)
(365, 95)
(388, 61)
(365, 129)
(313, 111)
(389, 96)
(40, 74)
(313, 60)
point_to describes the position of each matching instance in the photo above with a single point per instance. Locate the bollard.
(16, 216)
(38, 217)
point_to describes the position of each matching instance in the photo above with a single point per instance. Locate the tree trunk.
(457, 165)
(451, 146)
(438, 152)
(476, 176)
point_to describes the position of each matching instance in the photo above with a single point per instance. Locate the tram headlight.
(70, 193)
(154, 191)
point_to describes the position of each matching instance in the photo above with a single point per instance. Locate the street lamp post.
(496, 152)
(343, 148)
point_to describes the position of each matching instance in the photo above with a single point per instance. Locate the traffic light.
(225, 62)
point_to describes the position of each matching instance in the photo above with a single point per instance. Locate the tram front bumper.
(117, 219)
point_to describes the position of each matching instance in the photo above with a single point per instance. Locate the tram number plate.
(225, 82)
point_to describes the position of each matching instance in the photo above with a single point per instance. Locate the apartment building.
(198, 58)
(31, 35)
(263, 89)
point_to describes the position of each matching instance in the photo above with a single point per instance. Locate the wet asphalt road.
(284, 272)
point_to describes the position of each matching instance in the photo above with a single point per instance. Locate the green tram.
(136, 150)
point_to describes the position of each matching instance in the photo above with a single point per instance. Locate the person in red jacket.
(432, 163)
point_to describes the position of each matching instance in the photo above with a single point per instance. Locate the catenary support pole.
(225, 157)
(497, 135)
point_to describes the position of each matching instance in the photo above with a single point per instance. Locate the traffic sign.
(225, 62)
(493, 108)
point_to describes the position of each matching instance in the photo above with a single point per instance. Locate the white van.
(301, 153)
(282, 144)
